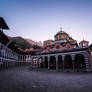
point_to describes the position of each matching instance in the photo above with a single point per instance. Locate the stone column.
(87, 65)
(73, 61)
(26, 56)
(48, 62)
(43, 61)
(22, 62)
(63, 60)
(87, 60)
(56, 62)
(18, 59)
(29, 59)
(25, 59)
(37, 60)
(22, 58)
(32, 61)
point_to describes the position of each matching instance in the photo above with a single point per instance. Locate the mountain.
(34, 42)
(21, 43)
(30, 41)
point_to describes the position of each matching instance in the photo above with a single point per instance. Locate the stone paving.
(25, 79)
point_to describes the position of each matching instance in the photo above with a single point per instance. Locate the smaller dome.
(84, 41)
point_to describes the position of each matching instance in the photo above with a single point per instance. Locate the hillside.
(21, 43)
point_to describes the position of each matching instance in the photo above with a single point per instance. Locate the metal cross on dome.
(60, 28)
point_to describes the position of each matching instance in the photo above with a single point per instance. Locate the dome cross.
(60, 28)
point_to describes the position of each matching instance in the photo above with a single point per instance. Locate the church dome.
(61, 32)
(61, 35)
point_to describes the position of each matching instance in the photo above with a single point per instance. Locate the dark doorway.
(46, 62)
(52, 62)
(79, 61)
(60, 62)
(68, 63)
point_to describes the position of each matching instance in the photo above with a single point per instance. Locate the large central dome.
(61, 35)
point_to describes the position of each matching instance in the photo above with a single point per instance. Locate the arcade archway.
(60, 62)
(40, 62)
(79, 61)
(46, 62)
(52, 62)
(68, 63)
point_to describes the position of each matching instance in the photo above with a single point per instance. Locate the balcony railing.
(7, 55)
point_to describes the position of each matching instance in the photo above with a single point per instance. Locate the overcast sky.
(41, 19)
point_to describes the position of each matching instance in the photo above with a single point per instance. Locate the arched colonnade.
(69, 61)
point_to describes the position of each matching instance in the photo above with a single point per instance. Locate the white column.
(43, 61)
(87, 65)
(37, 61)
(73, 62)
(56, 62)
(63, 60)
(48, 62)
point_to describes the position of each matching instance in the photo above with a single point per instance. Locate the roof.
(84, 41)
(71, 38)
(60, 32)
(65, 51)
(60, 41)
(3, 24)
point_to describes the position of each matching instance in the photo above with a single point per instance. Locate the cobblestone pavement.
(21, 79)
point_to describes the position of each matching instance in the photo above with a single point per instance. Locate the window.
(57, 47)
(64, 44)
(61, 36)
(65, 36)
(58, 37)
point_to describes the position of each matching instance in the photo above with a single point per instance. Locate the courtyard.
(25, 79)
